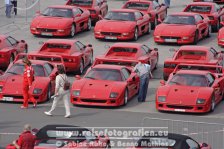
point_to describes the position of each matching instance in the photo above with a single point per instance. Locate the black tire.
(125, 97)
(73, 30)
(135, 38)
(81, 68)
(212, 107)
(196, 37)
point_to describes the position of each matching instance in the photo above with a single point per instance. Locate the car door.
(131, 85)
(151, 56)
(201, 25)
(103, 7)
(219, 11)
(215, 84)
(141, 22)
(79, 19)
(84, 51)
(14, 44)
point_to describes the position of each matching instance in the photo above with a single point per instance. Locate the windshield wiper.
(12, 72)
(90, 77)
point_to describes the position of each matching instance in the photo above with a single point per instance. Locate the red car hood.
(186, 95)
(95, 88)
(115, 26)
(51, 22)
(175, 30)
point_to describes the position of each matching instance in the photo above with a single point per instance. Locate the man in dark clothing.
(26, 139)
(14, 3)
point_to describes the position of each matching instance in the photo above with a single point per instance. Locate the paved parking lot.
(12, 118)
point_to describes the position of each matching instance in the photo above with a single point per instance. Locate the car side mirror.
(162, 82)
(77, 77)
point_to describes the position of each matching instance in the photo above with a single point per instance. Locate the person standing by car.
(8, 5)
(28, 78)
(14, 2)
(144, 72)
(26, 139)
(60, 92)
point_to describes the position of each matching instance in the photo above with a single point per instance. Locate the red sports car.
(42, 88)
(76, 55)
(216, 1)
(182, 28)
(129, 54)
(61, 21)
(123, 24)
(156, 12)
(193, 91)
(105, 85)
(192, 55)
(96, 7)
(9, 48)
(213, 11)
(172, 141)
(68, 137)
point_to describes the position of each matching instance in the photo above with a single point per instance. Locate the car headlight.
(33, 28)
(61, 30)
(37, 91)
(185, 38)
(76, 93)
(161, 98)
(97, 32)
(200, 101)
(113, 95)
(125, 34)
(1, 87)
(222, 39)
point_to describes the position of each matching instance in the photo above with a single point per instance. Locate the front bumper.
(173, 39)
(50, 32)
(113, 36)
(18, 98)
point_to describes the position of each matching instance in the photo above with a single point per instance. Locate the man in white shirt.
(144, 72)
(8, 5)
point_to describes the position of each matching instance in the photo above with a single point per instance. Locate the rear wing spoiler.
(124, 62)
(54, 59)
(210, 68)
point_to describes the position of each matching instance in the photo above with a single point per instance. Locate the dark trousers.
(15, 6)
(144, 82)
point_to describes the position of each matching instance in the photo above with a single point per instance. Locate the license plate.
(171, 40)
(47, 34)
(7, 98)
(109, 37)
(179, 110)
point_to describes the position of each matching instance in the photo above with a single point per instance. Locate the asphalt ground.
(134, 114)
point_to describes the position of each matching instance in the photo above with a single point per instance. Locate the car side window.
(146, 49)
(125, 73)
(12, 40)
(77, 11)
(48, 68)
(138, 15)
(192, 144)
(217, 8)
(8, 43)
(98, 2)
(198, 18)
(211, 79)
(214, 52)
(79, 45)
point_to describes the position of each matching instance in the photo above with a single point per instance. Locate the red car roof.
(195, 48)
(202, 4)
(62, 6)
(196, 72)
(105, 66)
(124, 10)
(184, 13)
(61, 41)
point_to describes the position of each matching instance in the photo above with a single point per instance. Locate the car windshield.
(120, 16)
(82, 2)
(18, 69)
(137, 5)
(58, 46)
(179, 19)
(58, 12)
(199, 9)
(189, 80)
(104, 74)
